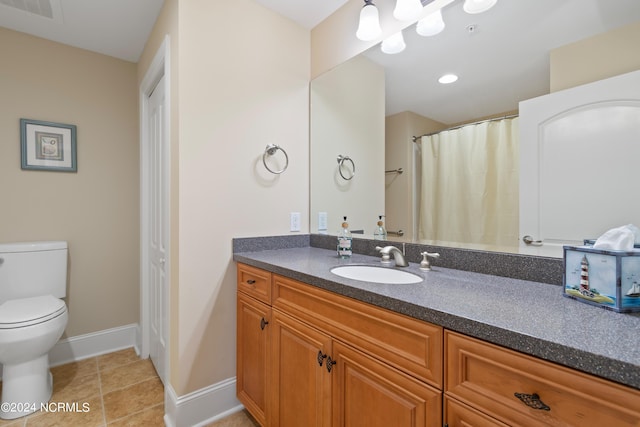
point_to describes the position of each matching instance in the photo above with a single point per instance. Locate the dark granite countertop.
(526, 316)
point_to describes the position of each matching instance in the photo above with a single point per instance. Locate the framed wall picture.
(48, 146)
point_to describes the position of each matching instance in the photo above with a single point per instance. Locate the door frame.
(159, 67)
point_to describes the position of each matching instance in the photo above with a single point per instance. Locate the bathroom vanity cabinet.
(330, 360)
(485, 383)
(311, 357)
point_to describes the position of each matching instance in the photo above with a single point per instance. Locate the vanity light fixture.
(407, 10)
(431, 24)
(447, 78)
(369, 25)
(393, 44)
(478, 6)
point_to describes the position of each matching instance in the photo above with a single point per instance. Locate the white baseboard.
(93, 344)
(200, 407)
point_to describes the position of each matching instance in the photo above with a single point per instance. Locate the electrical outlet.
(294, 218)
(322, 221)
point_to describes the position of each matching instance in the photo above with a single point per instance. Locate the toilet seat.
(21, 312)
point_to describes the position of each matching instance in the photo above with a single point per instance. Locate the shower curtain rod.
(509, 116)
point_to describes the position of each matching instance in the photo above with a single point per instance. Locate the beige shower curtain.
(469, 191)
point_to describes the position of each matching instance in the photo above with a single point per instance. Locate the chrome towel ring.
(270, 151)
(341, 160)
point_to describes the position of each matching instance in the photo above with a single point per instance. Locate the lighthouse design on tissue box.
(605, 278)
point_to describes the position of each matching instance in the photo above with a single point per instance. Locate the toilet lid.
(17, 313)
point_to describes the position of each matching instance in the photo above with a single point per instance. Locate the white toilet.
(33, 278)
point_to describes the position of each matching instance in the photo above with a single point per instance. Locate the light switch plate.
(294, 218)
(322, 221)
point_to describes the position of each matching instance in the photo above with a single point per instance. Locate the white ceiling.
(116, 28)
(120, 28)
(503, 61)
(307, 13)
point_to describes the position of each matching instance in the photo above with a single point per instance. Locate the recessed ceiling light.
(448, 78)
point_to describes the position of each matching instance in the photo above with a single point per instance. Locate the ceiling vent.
(37, 7)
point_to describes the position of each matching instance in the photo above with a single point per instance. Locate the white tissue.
(619, 239)
(636, 233)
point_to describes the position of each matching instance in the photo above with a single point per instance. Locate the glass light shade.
(431, 24)
(393, 44)
(407, 10)
(478, 6)
(448, 78)
(369, 26)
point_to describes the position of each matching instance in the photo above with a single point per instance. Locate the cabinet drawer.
(405, 343)
(255, 282)
(458, 414)
(487, 377)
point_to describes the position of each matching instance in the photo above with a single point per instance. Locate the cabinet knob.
(251, 281)
(330, 363)
(321, 357)
(532, 401)
(263, 323)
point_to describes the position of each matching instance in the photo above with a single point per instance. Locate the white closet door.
(580, 161)
(158, 229)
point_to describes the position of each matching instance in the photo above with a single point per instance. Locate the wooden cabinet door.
(369, 393)
(301, 384)
(252, 357)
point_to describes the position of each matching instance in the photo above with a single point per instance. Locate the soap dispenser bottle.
(379, 232)
(344, 240)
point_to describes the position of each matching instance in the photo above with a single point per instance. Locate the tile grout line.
(104, 414)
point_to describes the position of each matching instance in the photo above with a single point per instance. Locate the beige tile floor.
(116, 390)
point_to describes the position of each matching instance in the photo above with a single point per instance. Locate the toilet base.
(25, 387)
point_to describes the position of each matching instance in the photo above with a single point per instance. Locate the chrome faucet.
(398, 256)
(425, 264)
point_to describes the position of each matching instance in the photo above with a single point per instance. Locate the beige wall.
(237, 92)
(96, 209)
(595, 58)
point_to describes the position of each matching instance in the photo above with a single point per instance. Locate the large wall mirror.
(370, 108)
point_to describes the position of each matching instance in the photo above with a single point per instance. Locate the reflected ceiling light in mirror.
(447, 78)
(431, 24)
(407, 10)
(393, 44)
(478, 6)
(369, 25)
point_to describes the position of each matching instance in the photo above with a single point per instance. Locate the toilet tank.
(31, 269)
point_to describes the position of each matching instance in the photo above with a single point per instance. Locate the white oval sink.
(376, 274)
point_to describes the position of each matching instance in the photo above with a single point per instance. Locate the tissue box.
(604, 278)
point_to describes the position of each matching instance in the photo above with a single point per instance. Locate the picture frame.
(48, 146)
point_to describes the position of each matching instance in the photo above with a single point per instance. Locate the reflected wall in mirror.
(347, 106)
(514, 52)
